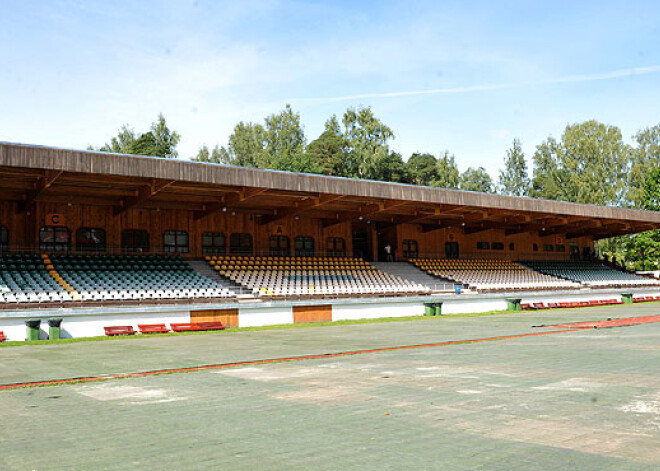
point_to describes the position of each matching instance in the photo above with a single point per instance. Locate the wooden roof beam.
(483, 226)
(306, 204)
(440, 224)
(152, 189)
(537, 225)
(570, 224)
(229, 201)
(578, 226)
(45, 182)
(364, 211)
(600, 229)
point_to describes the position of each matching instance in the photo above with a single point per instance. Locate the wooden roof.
(32, 173)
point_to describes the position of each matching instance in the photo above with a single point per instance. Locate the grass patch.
(380, 320)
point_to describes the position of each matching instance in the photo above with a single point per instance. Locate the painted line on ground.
(219, 366)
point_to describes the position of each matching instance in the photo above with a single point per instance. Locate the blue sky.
(464, 76)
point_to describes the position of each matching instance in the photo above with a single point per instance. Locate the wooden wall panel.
(24, 229)
(306, 314)
(431, 244)
(228, 317)
(17, 224)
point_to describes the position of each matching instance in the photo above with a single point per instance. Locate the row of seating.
(568, 304)
(589, 273)
(117, 277)
(233, 262)
(115, 330)
(310, 276)
(490, 275)
(24, 279)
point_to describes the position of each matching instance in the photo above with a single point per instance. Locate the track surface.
(372, 396)
(569, 327)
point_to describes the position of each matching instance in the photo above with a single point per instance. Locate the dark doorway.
(451, 250)
(361, 245)
(574, 251)
(386, 233)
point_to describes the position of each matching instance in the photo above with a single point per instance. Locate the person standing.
(388, 253)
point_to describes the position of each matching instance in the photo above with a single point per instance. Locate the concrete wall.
(253, 317)
(342, 312)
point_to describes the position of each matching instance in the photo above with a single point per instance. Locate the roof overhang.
(35, 173)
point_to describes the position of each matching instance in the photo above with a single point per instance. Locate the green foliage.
(446, 175)
(476, 179)
(159, 141)
(589, 165)
(514, 179)
(422, 169)
(215, 156)
(328, 151)
(642, 251)
(285, 143)
(247, 146)
(367, 143)
(393, 169)
(645, 157)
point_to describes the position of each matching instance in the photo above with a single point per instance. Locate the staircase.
(411, 273)
(203, 268)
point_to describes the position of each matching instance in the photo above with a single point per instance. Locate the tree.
(285, 143)
(422, 169)
(217, 156)
(549, 181)
(366, 137)
(123, 143)
(476, 179)
(328, 151)
(246, 146)
(447, 175)
(159, 141)
(514, 179)
(644, 248)
(645, 157)
(392, 169)
(589, 165)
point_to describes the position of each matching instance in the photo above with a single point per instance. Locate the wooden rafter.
(143, 194)
(49, 177)
(230, 201)
(306, 204)
(363, 212)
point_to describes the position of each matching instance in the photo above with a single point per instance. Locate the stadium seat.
(134, 277)
(490, 275)
(589, 274)
(310, 276)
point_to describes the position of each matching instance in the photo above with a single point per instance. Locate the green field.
(580, 400)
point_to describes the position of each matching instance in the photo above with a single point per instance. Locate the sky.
(463, 76)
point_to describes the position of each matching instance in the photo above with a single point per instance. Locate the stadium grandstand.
(161, 239)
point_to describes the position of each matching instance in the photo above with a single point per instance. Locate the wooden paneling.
(306, 314)
(228, 317)
(123, 167)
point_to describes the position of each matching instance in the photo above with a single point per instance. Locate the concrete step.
(409, 272)
(203, 268)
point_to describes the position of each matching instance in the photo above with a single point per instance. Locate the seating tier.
(589, 273)
(139, 277)
(310, 276)
(496, 275)
(24, 279)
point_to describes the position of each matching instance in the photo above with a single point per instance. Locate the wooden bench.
(3, 337)
(119, 330)
(196, 327)
(153, 328)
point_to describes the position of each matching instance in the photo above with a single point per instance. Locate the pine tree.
(514, 179)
